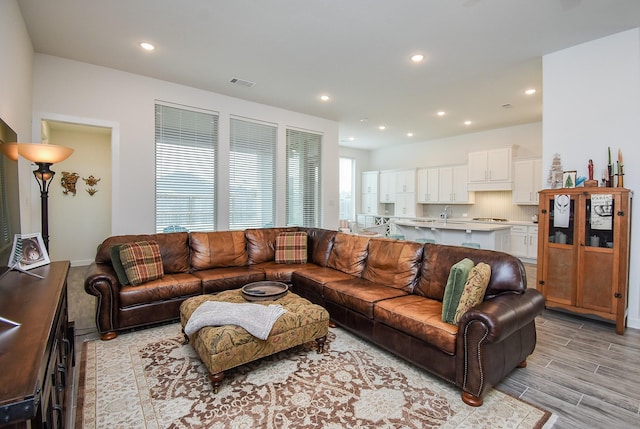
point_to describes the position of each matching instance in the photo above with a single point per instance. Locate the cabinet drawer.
(519, 228)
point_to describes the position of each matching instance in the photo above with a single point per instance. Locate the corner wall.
(591, 102)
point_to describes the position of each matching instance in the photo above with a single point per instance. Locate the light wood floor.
(581, 370)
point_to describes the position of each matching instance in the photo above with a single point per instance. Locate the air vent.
(242, 82)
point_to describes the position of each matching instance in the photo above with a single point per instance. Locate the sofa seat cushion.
(394, 263)
(313, 280)
(279, 272)
(420, 317)
(171, 286)
(219, 279)
(217, 249)
(359, 295)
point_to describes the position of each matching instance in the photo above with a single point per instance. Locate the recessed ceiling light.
(467, 123)
(409, 134)
(441, 113)
(417, 58)
(147, 46)
(382, 127)
(530, 91)
(324, 97)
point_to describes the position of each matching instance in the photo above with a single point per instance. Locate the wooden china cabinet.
(583, 251)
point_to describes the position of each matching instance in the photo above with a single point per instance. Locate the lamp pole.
(44, 176)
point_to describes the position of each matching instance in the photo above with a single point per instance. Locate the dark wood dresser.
(36, 358)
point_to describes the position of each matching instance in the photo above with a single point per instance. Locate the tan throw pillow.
(291, 248)
(141, 261)
(474, 289)
(458, 275)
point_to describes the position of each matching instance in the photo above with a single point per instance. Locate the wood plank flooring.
(581, 370)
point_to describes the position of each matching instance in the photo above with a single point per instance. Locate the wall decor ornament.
(91, 181)
(92, 191)
(68, 182)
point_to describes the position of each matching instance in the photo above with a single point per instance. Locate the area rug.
(149, 379)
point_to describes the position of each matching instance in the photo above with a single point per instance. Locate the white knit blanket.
(256, 319)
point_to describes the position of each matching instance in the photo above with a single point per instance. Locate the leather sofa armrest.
(505, 314)
(101, 281)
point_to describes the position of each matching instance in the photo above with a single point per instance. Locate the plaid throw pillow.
(291, 248)
(141, 261)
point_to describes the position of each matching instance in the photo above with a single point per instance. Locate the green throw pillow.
(453, 290)
(117, 264)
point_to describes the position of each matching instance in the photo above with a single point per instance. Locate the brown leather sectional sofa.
(389, 292)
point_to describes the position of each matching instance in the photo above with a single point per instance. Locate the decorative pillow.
(291, 248)
(453, 290)
(141, 261)
(114, 252)
(474, 289)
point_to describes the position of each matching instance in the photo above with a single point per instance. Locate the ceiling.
(480, 55)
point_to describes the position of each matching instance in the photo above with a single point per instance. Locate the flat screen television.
(9, 198)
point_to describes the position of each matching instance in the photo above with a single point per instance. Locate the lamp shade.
(43, 152)
(10, 150)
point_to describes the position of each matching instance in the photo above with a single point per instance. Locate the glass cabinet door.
(562, 219)
(599, 222)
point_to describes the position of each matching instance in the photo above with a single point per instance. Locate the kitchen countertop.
(454, 224)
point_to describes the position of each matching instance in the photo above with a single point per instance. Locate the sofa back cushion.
(319, 244)
(507, 272)
(394, 263)
(217, 249)
(349, 253)
(174, 249)
(261, 243)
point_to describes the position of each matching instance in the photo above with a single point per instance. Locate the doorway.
(79, 215)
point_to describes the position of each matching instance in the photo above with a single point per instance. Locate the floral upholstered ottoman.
(224, 347)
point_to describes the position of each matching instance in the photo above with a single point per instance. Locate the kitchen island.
(490, 235)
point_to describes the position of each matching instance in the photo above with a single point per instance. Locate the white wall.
(591, 102)
(526, 139)
(15, 88)
(73, 89)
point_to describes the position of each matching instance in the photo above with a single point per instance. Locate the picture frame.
(569, 179)
(28, 252)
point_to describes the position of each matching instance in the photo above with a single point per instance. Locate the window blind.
(303, 202)
(186, 151)
(252, 161)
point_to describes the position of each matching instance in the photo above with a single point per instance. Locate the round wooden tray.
(264, 291)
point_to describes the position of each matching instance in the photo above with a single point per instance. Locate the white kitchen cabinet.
(427, 186)
(406, 181)
(405, 204)
(387, 187)
(452, 186)
(524, 241)
(490, 170)
(369, 194)
(527, 181)
(370, 182)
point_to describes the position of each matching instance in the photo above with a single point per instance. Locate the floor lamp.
(44, 155)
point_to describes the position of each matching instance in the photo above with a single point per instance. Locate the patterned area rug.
(148, 379)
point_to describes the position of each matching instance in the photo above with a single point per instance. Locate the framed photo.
(569, 179)
(28, 251)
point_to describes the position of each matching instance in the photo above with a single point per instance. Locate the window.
(347, 191)
(303, 202)
(186, 151)
(252, 162)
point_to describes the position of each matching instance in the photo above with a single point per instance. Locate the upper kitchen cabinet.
(527, 179)
(490, 170)
(369, 202)
(406, 181)
(428, 185)
(453, 186)
(387, 189)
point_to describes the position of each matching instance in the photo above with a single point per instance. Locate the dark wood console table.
(36, 358)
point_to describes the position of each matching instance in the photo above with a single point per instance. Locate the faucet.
(445, 214)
